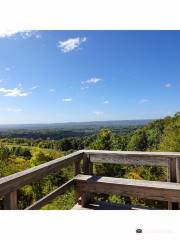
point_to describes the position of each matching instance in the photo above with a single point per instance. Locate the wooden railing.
(83, 189)
(10, 184)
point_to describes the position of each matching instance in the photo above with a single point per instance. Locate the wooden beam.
(77, 170)
(163, 191)
(10, 201)
(172, 177)
(85, 197)
(13, 182)
(178, 175)
(131, 158)
(48, 198)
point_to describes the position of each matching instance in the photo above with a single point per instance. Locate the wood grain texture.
(172, 177)
(77, 170)
(163, 191)
(174, 155)
(85, 196)
(178, 175)
(17, 180)
(10, 201)
(131, 157)
(48, 198)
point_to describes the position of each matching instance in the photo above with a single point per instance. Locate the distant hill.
(76, 125)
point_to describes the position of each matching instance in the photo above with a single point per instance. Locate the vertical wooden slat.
(77, 170)
(10, 201)
(178, 174)
(172, 177)
(87, 169)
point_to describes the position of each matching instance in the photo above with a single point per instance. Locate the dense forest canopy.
(21, 149)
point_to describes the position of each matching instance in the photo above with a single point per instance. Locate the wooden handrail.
(163, 191)
(48, 198)
(15, 181)
(9, 184)
(132, 157)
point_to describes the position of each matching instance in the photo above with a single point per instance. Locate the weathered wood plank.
(174, 155)
(48, 198)
(130, 158)
(10, 201)
(17, 180)
(178, 175)
(77, 170)
(85, 196)
(172, 177)
(163, 191)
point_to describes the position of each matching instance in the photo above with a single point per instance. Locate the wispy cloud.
(9, 68)
(71, 44)
(14, 92)
(67, 99)
(1, 80)
(99, 114)
(168, 85)
(52, 90)
(22, 33)
(11, 109)
(92, 80)
(34, 87)
(14, 110)
(84, 87)
(106, 102)
(144, 100)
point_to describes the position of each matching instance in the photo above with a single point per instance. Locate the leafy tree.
(39, 157)
(171, 138)
(138, 141)
(103, 140)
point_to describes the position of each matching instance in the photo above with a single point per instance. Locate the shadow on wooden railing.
(86, 184)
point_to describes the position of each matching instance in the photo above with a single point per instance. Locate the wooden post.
(77, 170)
(178, 174)
(88, 170)
(10, 201)
(172, 177)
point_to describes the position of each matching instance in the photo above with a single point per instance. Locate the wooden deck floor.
(108, 206)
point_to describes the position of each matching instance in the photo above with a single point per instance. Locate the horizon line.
(74, 122)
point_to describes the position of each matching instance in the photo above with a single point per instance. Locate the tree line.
(17, 154)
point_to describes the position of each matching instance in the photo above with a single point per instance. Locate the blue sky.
(63, 76)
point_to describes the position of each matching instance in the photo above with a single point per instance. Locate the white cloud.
(23, 33)
(52, 90)
(14, 110)
(93, 80)
(8, 33)
(71, 44)
(144, 100)
(106, 102)
(11, 109)
(168, 85)
(99, 114)
(34, 87)
(7, 69)
(67, 99)
(84, 87)
(13, 92)
(1, 80)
